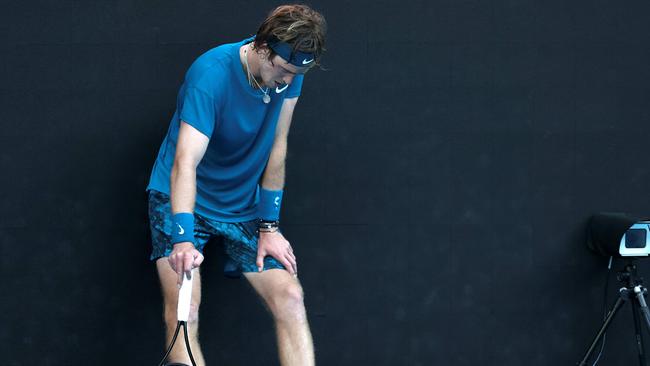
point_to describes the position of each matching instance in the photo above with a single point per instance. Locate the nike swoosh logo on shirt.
(305, 61)
(278, 90)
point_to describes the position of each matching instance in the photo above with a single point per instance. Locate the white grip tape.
(185, 298)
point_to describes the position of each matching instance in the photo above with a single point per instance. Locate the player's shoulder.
(213, 66)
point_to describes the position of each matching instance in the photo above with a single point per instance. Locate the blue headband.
(284, 50)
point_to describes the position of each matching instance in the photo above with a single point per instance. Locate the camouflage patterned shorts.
(239, 238)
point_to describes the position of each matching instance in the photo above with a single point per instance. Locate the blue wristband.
(182, 227)
(269, 205)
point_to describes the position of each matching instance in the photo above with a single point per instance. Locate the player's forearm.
(273, 178)
(183, 186)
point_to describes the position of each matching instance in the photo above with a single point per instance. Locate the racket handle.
(185, 298)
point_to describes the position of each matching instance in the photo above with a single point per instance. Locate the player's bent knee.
(194, 313)
(288, 303)
(294, 294)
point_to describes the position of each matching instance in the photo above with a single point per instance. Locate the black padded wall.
(440, 175)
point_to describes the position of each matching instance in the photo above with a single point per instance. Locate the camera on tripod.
(619, 235)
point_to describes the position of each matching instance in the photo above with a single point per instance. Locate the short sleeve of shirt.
(295, 87)
(199, 110)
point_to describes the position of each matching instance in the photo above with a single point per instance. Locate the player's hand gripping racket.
(182, 313)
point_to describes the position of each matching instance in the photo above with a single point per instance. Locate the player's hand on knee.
(184, 258)
(275, 245)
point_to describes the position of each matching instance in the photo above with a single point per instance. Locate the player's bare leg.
(283, 296)
(169, 283)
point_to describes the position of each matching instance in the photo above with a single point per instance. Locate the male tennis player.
(220, 172)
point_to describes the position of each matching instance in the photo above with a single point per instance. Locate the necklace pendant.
(266, 99)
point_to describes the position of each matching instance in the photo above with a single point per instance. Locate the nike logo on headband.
(305, 61)
(278, 90)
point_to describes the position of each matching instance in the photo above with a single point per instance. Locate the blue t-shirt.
(217, 100)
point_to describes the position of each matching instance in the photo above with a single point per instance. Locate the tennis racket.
(182, 314)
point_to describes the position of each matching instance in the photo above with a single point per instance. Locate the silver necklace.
(266, 98)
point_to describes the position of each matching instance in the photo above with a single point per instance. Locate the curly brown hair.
(300, 26)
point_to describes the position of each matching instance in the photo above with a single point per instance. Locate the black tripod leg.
(603, 329)
(640, 296)
(638, 335)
